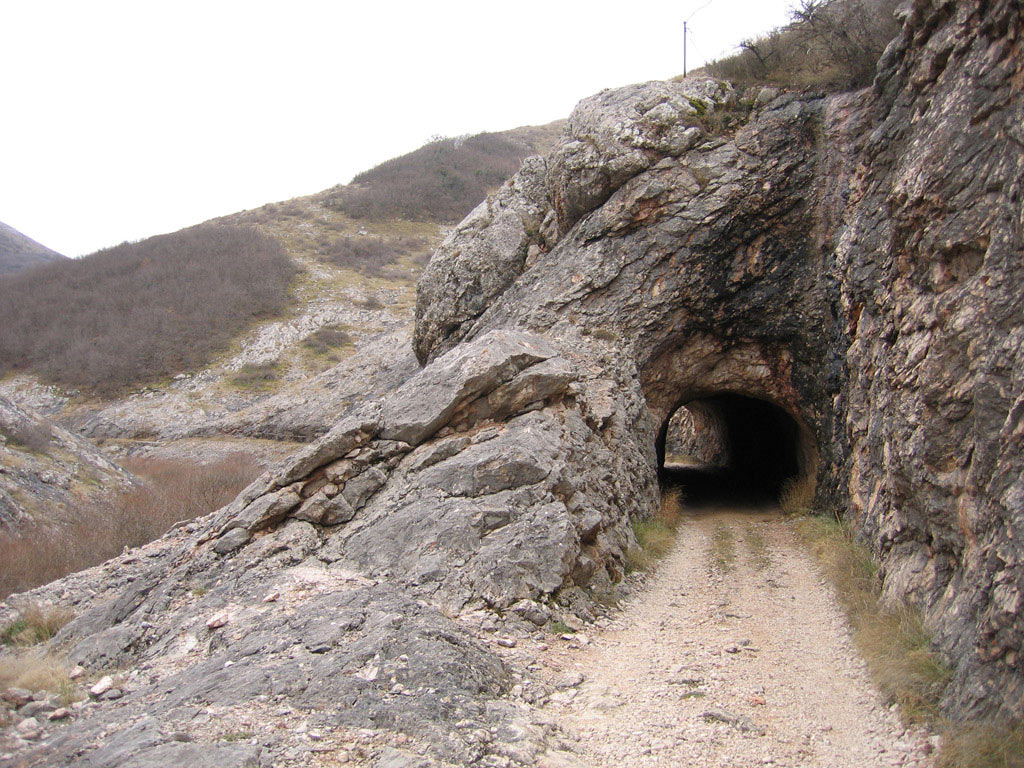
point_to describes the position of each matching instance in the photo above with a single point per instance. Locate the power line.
(686, 21)
(709, 2)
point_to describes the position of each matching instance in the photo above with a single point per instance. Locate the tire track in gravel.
(719, 660)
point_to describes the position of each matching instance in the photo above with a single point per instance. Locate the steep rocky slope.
(850, 261)
(46, 472)
(18, 251)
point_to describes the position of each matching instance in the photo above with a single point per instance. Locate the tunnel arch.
(744, 391)
(755, 449)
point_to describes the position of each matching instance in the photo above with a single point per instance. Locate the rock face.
(854, 260)
(46, 472)
(695, 433)
(928, 253)
(851, 261)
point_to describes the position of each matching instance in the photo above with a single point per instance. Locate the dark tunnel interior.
(729, 449)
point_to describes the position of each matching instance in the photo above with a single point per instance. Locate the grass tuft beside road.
(897, 649)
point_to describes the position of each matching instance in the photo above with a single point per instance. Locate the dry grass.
(35, 624)
(897, 649)
(797, 495)
(982, 745)
(656, 535)
(174, 490)
(37, 671)
(893, 641)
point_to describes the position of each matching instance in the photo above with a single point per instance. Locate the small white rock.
(218, 620)
(103, 685)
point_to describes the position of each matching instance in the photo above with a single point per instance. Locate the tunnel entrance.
(730, 449)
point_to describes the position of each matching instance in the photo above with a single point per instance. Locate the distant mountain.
(18, 251)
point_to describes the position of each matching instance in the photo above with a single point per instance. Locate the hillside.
(352, 280)
(18, 251)
(46, 472)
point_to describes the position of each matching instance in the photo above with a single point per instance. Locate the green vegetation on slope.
(831, 44)
(141, 311)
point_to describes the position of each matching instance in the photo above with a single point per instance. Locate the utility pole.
(684, 49)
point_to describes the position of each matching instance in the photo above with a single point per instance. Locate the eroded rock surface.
(852, 259)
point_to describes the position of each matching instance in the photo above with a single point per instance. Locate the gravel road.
(734, 653)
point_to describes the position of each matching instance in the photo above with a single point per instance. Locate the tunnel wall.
(854, 260)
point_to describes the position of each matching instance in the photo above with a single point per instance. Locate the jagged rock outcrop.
(491, 481)
(928, 251)
(851, 260)
(854, 260)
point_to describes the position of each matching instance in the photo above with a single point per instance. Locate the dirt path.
(734, 654)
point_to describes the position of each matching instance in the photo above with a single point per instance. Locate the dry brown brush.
(172, 490)
(442, 181)
(830, 44)
(372, 256)
(142, 311)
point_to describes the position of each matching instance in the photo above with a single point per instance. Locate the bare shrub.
(370, 302)
(290, 209)
(141, 311)
(330, 337)
(173, 490)
(442, 181)
(32, 435)
(255, 376)
(368, 255)
(371, 255)
(831, 44)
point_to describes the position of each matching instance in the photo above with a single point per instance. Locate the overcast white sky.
(127, 119)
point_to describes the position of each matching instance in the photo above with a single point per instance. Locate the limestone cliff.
(854, 260)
